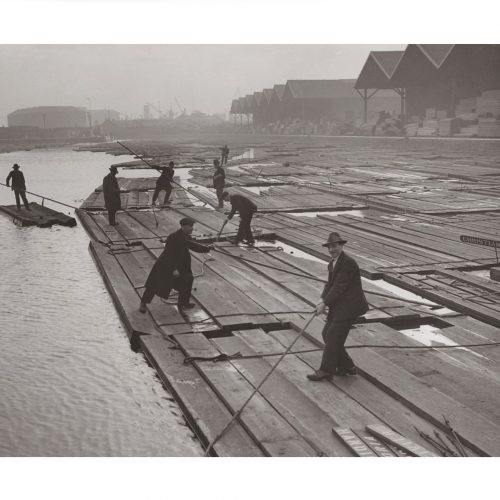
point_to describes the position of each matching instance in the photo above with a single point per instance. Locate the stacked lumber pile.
(448, 126)
(429, 128)
(488, 103)
(466, 108)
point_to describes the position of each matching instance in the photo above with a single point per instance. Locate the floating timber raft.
(251, 303)
(39, 215)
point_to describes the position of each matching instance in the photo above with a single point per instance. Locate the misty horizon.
(198, 77)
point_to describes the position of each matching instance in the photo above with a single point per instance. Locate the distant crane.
(182, 110)
(157, 109)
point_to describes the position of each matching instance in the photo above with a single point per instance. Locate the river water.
(69, 383)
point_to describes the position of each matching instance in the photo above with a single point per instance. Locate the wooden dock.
(39, 215)
(251, 303)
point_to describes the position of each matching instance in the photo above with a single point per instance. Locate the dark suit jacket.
(175, 256)
(111, 191)
(243, 205)
(165, 178)
(18, 182)
(219, 178)
(343, 293)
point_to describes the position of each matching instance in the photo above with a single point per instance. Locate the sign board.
(480, 241)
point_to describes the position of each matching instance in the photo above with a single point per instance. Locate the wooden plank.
(350, 401)
(358, 447)
(259, 418)
(292, 404)
(123, 294)
(388, 435)
(204, 411)
(380, 449)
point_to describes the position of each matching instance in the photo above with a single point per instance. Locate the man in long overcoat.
(173, 267)
(111, 191)
(246, 208)
(344, 297)
(164, 183)
(18, 186)
(219, 182)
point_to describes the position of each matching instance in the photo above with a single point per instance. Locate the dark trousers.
(244, 229)
(112, 216)
(334, 335)
(22, 193)
(218, 192)
(184, 284)
(167, 189)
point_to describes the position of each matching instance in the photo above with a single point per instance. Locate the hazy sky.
(125, 77)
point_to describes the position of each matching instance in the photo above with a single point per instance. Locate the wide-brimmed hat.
(16, 166)
(333, 238)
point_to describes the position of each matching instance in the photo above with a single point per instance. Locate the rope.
(409, 301)
(238, 413)
(238, 355)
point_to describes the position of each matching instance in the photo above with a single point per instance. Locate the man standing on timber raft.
(344, 297)
(219, 182)
(224, 155)
(246, 208)
(18, 186)
(111, 191)
(173, 268)
(163, 183)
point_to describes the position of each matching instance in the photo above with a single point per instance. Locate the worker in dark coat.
(18, 186)
(219, 182)
(224, 154)
(163, 183)
(173, 268)
(246, 208)
(111, 191)
(344, 297)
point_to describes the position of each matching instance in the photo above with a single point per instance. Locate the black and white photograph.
(235, 258)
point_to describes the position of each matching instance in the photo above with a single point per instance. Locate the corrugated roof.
(258, 97)
(242, 104)
(279, 90)
(321, 89)
(378, 69)
(267, 94)
(436, 54)
(235, 107)
(388, 60)
(249, 103)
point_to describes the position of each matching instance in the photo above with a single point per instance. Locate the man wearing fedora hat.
(173, 268)
(111, 191)
(344, 297)
(18, 186)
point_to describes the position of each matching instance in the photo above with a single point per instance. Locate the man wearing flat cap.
(173, 267)
(344, 297)
(18, 186)
(163, 183)
(111, 191)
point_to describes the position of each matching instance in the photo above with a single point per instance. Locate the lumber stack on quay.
(252, 303)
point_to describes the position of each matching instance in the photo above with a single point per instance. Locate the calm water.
(69, 383)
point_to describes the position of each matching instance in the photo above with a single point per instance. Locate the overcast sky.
(125, 77)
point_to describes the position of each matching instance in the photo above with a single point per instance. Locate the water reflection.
(69, 383)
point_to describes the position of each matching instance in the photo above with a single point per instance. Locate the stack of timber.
(38, 215)
(416, 363)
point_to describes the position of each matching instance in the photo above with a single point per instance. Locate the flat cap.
(187, 221)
